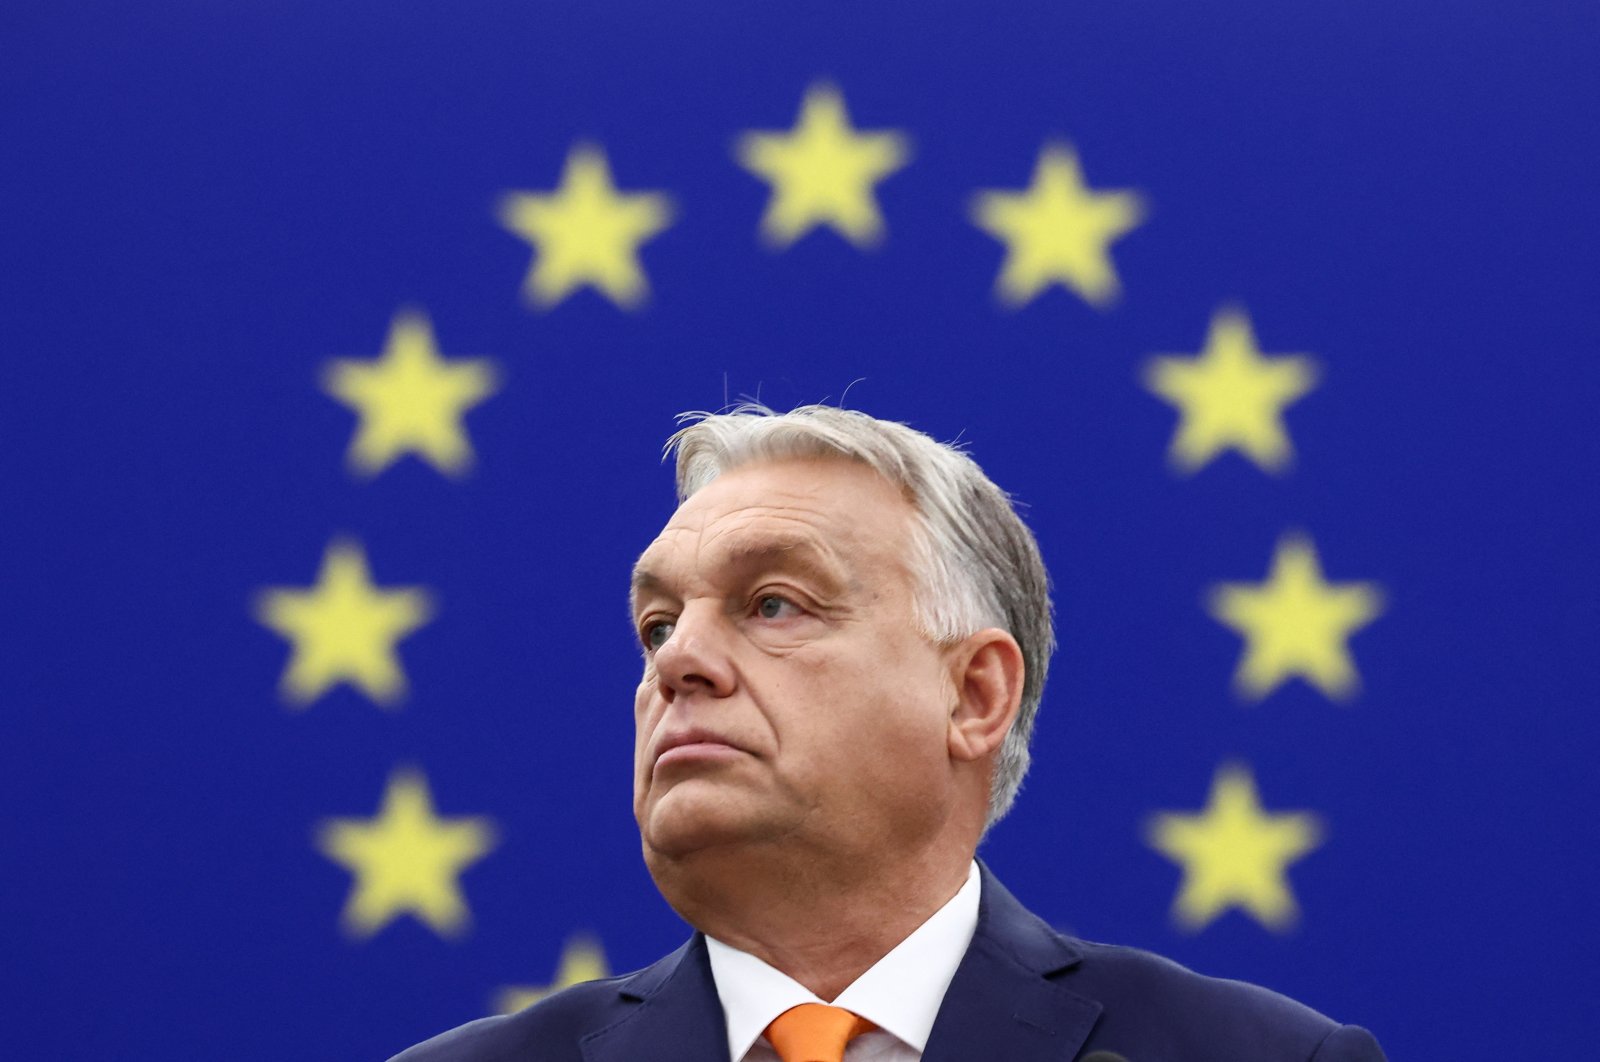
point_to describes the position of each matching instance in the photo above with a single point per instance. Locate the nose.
(694, 658)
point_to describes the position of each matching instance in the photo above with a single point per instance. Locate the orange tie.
(813, 1032)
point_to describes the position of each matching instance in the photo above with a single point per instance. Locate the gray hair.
(975, 562)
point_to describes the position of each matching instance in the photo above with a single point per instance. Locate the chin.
(687, 819)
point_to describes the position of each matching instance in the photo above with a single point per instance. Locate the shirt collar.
(900, 993)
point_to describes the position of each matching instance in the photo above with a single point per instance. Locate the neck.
(823, 925)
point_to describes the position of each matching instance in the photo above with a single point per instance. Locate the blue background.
(204, 203)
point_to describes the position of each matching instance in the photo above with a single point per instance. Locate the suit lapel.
(1001, 1003)
(672, 1015)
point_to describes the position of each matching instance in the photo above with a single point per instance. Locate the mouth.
(694, 747)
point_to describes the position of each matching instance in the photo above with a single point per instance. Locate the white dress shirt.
(900, 993)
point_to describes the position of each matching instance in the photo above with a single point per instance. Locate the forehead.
(821, 512)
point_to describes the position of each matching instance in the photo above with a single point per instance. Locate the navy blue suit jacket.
(1023, 993)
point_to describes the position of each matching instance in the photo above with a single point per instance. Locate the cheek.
(894, 701)
(916, 699)
(641, 699)
(645, 714)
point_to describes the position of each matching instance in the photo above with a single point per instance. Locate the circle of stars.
(589, 233)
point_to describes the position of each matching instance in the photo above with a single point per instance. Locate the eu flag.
(341, 341)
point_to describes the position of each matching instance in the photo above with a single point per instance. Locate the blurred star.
(822, 172)
(1057, 231)
(586, 232)
(406, 860)
(581, 960)
(410, 400)
(344, 629)
(1234, 854)
(1231, 397)
(1296, 623)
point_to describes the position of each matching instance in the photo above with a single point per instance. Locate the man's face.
(788, 697)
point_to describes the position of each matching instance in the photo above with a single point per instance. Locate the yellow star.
(1230, 396)
(1233, 854)
(1295, 623)
(823, 172)
(581, 960)
(1057, 231)
(343, 629)
(586, 232)
(406, 860)
(410, 400)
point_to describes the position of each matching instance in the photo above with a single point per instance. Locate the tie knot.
(813, 1032)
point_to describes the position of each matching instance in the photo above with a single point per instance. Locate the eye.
(771, 606)
(656, 633)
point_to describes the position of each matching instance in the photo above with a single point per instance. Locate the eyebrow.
(799, 554)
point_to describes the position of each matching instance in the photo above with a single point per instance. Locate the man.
(845, 631)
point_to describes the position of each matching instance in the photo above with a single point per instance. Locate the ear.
(987, 670)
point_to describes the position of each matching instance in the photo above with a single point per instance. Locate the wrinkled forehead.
(831, 518)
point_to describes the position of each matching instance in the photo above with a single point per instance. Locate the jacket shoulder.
(1155, 1002)
(548, 1031)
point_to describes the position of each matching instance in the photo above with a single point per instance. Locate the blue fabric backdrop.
(211, 212)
